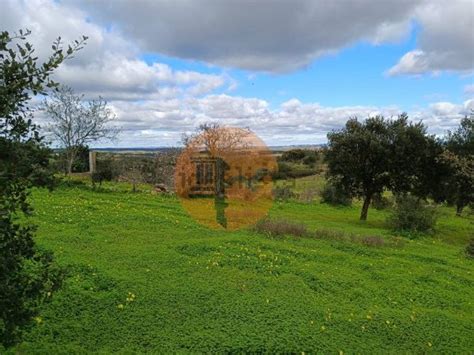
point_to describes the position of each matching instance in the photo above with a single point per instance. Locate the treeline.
(366, 158)
(296, 163)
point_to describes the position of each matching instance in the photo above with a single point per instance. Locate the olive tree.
(26, 273)
(458, 159)
(366, 158)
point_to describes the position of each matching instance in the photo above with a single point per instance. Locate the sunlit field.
(142, 275)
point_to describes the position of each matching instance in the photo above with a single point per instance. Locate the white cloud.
(293, 122)
(155, 103)
(277, 36)
(446, 40)
(109, 65)
(288, 35)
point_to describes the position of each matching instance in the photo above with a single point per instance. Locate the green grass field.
(143, 276)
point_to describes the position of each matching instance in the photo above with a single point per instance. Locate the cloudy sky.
(289, 70)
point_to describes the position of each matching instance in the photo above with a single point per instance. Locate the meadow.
(144, 276)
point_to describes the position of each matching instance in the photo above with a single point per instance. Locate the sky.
(291, 71)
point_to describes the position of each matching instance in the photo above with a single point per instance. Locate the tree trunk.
(459, 208)
(365, 208)
(70, 161)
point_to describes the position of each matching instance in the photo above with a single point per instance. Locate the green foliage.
(305, 156)
(461, 141)
(335, 195)
(81, 162)
(25, 273)
(412, 215)
(296, 163)
(200, 290)
(105, 171)
(288, 170)
(381, 202)
(369, 157)
(27, 282)
(457, 166)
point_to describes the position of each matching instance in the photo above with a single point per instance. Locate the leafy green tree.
(454, 181)
(461, 141)
(413, 158)
(366, 158)
(357, 159)
(26, 273)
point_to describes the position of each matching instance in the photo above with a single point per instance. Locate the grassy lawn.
(143, 276)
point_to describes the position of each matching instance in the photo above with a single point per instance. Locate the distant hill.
(161, 149)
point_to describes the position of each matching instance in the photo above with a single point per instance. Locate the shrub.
(373, 241)
(104, 172)
(333, 195)
(309, 160)
(412, 215)
(293, 155)
(275, 228)
(470, 248)
(283, 193)
(28, 284)
(81, 163)
(380, 202)
(282, 172)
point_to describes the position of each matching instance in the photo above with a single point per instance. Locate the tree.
(457, 162)
(459, 181)
(413, 158)
(26, 273)
(461, 141)
(76, 123)
(357, 159)
(364, 159)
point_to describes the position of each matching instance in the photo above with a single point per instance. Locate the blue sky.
(289, 70)
(356, 75)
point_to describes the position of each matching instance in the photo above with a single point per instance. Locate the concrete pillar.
(92, 161)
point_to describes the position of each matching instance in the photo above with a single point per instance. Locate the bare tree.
(75, 122)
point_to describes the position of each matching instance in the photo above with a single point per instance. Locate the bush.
(470, 248)
(282, 172)
(380, 202)
(412, 215)
(283, 193)
(81, 163)
(373, 241)
(309, 160)
(293, 155)
(276, 228)
(333, 195)
(104, 172)
(26, 286)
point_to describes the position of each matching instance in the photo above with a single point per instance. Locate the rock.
(160, 188)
